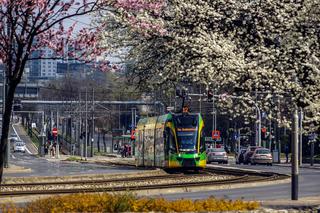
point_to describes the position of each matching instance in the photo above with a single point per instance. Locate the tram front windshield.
(187, 127)
(187, 140)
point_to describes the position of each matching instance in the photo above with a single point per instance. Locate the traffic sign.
(54, 131)
(215, 134)
(170, 108)
(208, 139)
(264, 130)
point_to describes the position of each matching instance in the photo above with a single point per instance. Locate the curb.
(301, 205)
(304, 167)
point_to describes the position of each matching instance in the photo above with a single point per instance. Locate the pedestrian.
(125, 150)
(122, 151)
(286, 151)
(46, 148)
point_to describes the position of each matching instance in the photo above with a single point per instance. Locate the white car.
(13, 138)
(217, 155)
(19, 146)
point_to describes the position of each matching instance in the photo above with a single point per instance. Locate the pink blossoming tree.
(29, 25)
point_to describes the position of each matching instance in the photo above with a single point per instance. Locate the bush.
(73, 158)
(126, 203)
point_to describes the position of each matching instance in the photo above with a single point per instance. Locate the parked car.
(261, 155)
(249, 152)
(217, 155)
(240, 157)
(19, 146)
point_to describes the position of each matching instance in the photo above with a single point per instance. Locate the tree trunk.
(6, 124)
(104, 142)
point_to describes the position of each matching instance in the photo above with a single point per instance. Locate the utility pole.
(58, 145)
(86, 139)
(119, 115)
(238, 140)
(92, 138)
(278, 141)
(294, 157)
(300, 135)
(255, 124)
(213, 112)
(42, 136)
(80, 128)
(270, 135)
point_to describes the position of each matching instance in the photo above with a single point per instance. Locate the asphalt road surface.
(308, 186)
(43, 167)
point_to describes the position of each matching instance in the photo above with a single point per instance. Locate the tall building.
(48, 66)
(42, 69)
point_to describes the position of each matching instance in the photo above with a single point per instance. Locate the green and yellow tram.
(171, 141)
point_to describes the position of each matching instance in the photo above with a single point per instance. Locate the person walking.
(286, 151)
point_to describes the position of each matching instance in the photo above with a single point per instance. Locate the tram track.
(135, 183)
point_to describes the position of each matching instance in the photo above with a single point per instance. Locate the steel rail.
(242, 176)
(92, 181)
(124, 188)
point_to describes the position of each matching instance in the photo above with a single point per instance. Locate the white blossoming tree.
(267, 47)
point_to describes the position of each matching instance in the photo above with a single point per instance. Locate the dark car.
(248, 154)
(240, 157)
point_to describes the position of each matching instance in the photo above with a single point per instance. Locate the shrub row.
(126, 203)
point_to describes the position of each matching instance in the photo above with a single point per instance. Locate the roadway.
(55, 167)
(308, 186)
(46, 166)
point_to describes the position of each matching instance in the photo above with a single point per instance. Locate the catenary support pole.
(42, 136)
(86, 122)
(58, 145)
(300, 136)
(238, 140)
(80, 128)
(294, 157)
(312, 153)
(92, 135)
(278, 131)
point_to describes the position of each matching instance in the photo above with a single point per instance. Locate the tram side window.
(166, 136)
(173, 147)
(170, 141)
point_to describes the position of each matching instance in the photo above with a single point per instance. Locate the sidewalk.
(114, 159)
(15, 169)
(302, 204)
(304, 165)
